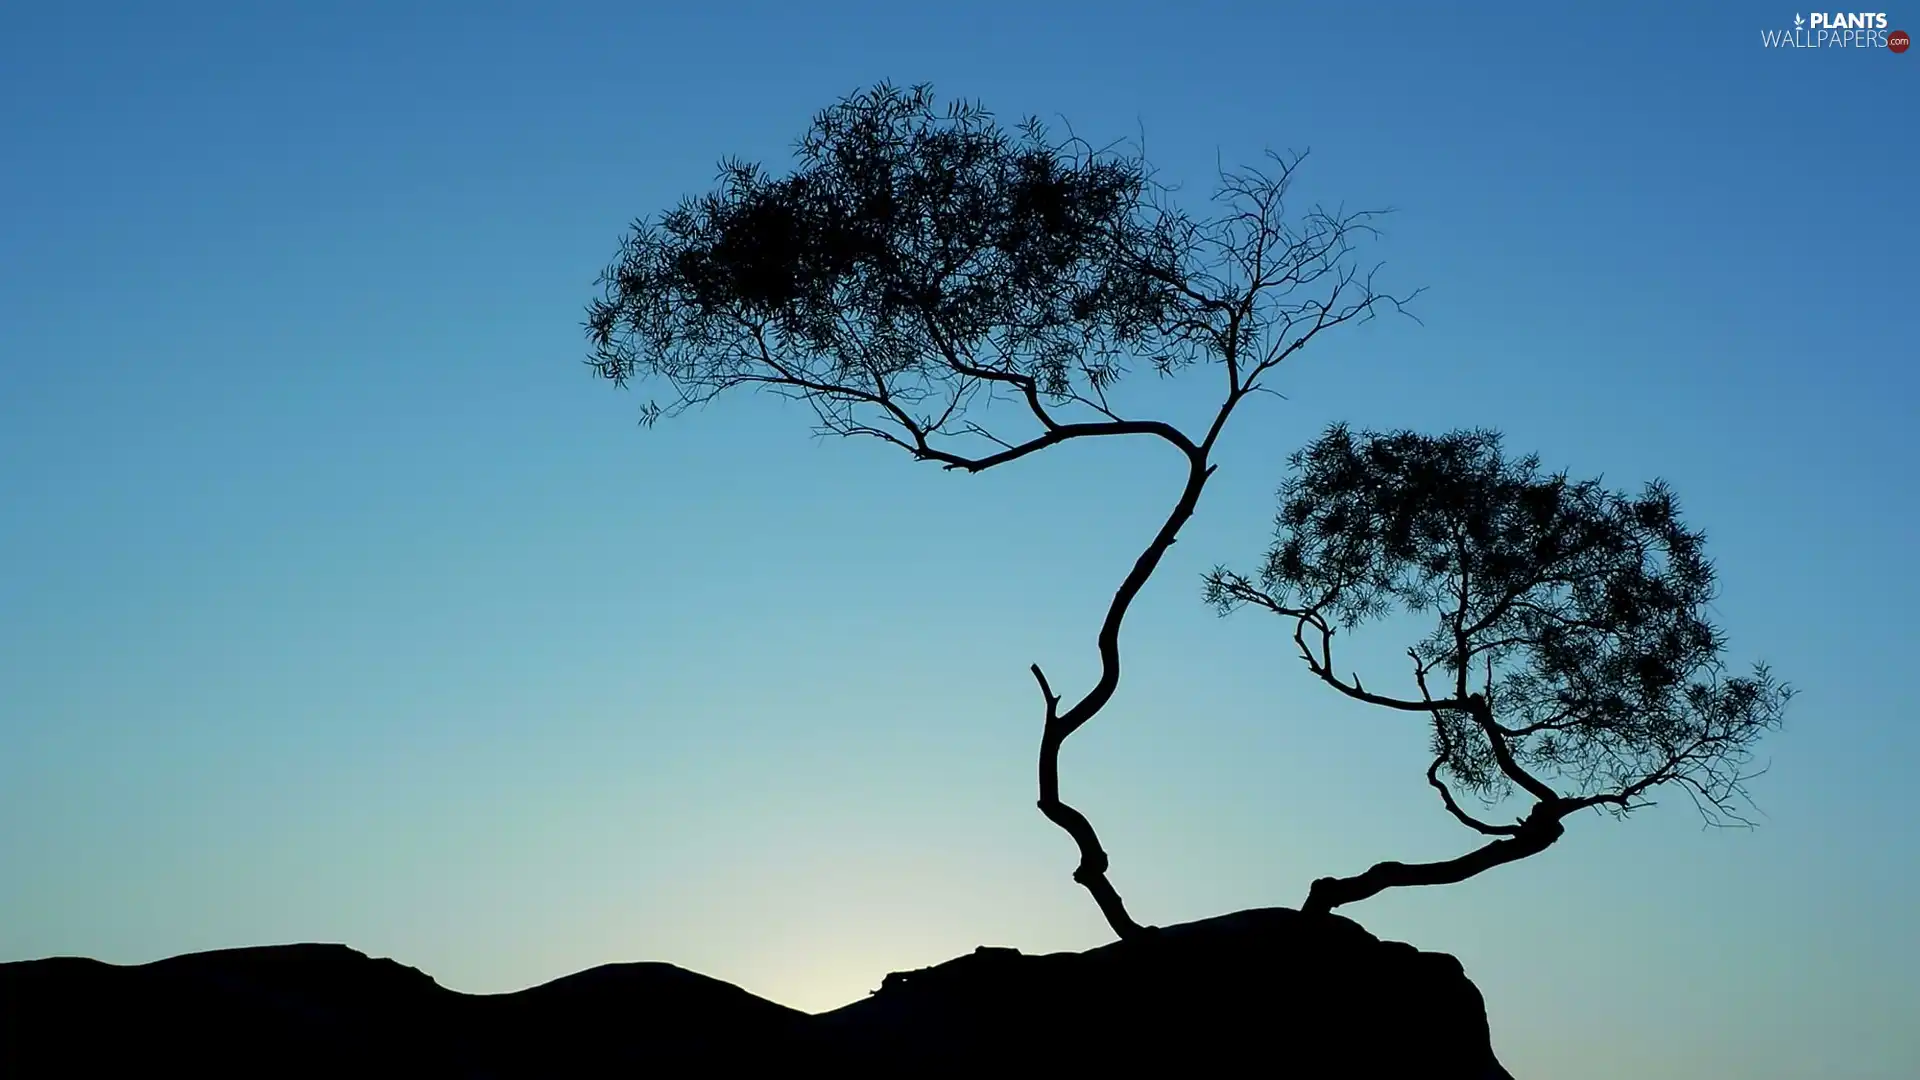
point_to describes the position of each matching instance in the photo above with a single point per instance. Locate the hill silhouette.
(1269, 990)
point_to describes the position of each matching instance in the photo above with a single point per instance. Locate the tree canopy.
(1570, 660)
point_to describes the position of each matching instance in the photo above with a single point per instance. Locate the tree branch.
(1541, 828)
(1446, 796)
(1482, 714)
(1444, 755)
(1055, 436)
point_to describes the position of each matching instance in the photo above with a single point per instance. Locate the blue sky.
(342, 604)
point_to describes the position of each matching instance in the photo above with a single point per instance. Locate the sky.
(342, 603)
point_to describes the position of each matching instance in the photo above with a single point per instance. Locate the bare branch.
(1532, 837)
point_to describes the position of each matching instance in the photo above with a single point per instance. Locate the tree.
(920, 263)
(1578, 610)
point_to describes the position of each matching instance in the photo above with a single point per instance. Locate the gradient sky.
(341, 604)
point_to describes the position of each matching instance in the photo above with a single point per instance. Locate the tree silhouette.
(920, 263)
(1578, 611)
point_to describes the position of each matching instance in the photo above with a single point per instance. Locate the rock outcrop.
(1269, 992)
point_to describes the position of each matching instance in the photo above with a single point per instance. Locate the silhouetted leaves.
(921, 261)
(909, 244)
(1578, 613)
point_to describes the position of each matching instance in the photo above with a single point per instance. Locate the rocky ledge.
(1270, 992)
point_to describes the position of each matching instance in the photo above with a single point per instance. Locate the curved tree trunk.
(1537, 833)
(1092, 871)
